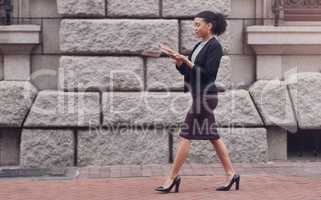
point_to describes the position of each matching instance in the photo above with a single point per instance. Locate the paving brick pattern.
(262, 181)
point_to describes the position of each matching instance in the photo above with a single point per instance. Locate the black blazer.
(201, 78)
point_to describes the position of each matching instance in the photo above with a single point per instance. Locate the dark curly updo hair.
(217, 19)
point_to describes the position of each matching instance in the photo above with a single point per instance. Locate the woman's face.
(201, 28)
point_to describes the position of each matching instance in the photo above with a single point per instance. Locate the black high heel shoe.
(176, 182)
(236, 179)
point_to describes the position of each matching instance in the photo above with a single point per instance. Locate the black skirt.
(199, 123)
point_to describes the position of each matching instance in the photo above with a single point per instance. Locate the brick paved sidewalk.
(273, 181)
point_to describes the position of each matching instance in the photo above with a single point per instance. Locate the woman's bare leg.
(224, 157)
(181, 155)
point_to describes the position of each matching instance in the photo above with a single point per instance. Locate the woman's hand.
(179, 57)
(172, 53)
(179, 62)
(183, 59)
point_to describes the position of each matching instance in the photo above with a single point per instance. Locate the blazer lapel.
(190, 55)
(202, 50)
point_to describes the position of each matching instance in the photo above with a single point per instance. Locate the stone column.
(272, 44)
(16, 43)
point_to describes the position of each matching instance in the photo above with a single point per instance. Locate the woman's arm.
(213, 58)
(189, 64)
(182, 68)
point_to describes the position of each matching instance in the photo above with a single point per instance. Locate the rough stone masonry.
(115, 105)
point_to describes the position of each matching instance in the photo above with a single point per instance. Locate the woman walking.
(200, 70)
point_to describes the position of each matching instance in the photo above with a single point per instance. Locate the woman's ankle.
(230, 173)
(172, 176)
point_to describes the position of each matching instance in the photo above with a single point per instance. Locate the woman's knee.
(215, 141)
(184, 140)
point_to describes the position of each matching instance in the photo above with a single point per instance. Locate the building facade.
(79, 84)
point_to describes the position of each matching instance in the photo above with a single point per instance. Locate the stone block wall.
(96, 98)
